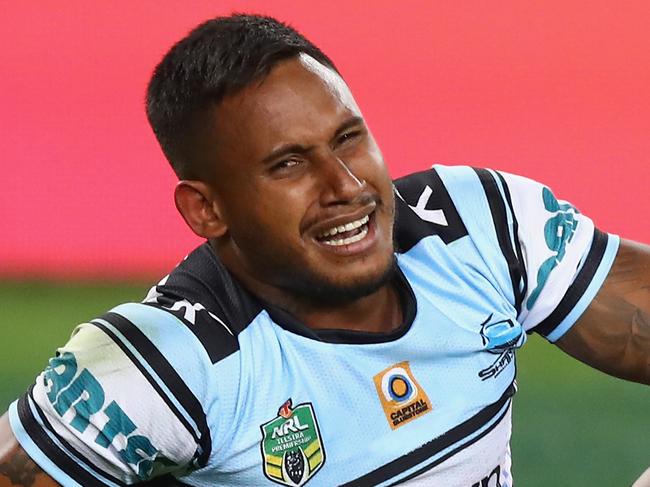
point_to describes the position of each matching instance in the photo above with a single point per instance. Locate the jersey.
(204, 384)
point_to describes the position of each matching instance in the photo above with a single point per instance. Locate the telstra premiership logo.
(292, 450)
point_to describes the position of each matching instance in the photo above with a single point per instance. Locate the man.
(335, 328)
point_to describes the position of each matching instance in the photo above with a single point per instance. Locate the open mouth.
(345, 234)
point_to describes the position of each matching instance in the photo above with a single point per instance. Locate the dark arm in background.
(613, 335)
(16, 468)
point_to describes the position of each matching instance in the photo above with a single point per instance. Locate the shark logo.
(501, 338)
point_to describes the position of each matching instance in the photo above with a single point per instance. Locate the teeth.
(344, 228)
(347, 241)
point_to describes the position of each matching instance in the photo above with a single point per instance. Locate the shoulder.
(450, 202)
(453, 202)
(201, 298)
(116, 389)
(440, 177)
(425, 205)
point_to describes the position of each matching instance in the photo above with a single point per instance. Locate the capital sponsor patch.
(402, 398)
(292, 450)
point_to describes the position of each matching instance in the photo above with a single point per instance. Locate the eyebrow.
(350, 122)
(301, 149)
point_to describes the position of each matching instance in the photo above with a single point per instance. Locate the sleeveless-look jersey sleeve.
(120, 403)
(557, 259)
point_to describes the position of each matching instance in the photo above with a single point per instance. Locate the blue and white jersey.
(202, 384)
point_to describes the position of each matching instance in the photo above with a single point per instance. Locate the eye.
(286, 164)
(347, 137)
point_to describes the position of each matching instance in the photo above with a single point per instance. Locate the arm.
(98, 415)
(16, 468)
(644, 480)
(613, 335)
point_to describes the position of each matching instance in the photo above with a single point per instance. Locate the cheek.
(370, 163)
(268, 219)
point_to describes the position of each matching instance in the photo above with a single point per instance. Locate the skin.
(16, 468)
(644, 480)
(613, 335)
(295, 149)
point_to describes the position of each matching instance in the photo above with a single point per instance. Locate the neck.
(380, 311)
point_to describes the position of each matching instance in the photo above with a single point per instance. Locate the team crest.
(292, 450)
(402, 398)
(501, 338)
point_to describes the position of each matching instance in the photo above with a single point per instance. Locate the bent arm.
(16, 468)
(613, 335)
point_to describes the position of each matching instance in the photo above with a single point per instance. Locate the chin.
(332, 291)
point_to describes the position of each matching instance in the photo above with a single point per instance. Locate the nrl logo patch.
(292, 450)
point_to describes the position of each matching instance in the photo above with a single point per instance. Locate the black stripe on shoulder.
(502, 229)
(222, 308)
(515, 230)
(433, 447)
(423, 208)
(579, 286)
(71, 467)
(166, 373)
(143, 370)
(218, 340)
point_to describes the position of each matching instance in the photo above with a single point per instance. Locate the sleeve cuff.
(51, 452)
(589, 280)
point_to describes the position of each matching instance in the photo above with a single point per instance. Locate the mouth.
(353, 238)
(341, 235)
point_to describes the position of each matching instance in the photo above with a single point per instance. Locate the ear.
(197, 203)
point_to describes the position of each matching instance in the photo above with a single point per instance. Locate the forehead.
(302, 83)
(298, 102)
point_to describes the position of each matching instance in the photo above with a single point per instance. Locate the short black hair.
(217, 58)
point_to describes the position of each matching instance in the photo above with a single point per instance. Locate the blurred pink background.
(558, 91)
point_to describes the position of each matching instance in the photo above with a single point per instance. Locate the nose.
(340, 184)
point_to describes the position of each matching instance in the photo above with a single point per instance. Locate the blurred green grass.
(38, 317)
(572, 426)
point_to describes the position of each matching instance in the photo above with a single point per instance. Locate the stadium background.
(556, 90)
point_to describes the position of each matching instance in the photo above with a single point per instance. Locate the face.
(302, 187)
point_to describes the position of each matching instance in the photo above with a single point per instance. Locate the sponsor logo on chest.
(401, 397)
